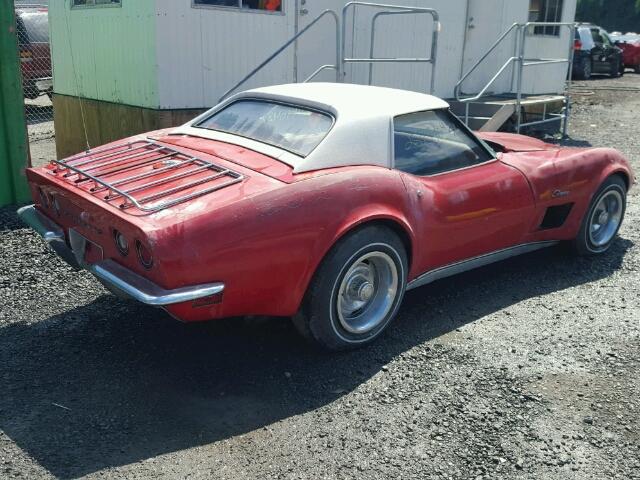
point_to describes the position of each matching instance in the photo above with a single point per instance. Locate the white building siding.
(203, 51)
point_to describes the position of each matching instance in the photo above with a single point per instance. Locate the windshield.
(292, 128)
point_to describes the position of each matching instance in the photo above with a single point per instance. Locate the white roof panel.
(361, 135)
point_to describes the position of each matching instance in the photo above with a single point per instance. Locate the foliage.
(613, 15)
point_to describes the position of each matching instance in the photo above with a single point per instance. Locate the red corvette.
(630, 46)
(324, 202)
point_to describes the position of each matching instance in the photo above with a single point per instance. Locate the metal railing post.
(520, 62)
(567, 96)
(373, 41)
(394, 9)
(516, 47)
(434, 48)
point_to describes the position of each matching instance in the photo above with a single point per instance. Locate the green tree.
(621, 15)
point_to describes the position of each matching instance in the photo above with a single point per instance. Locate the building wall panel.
(105, 53)
(203, 51)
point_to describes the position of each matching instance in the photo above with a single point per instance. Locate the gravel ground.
(42, 142)
(527, 369)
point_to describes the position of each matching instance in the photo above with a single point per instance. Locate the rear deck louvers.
(143, 175)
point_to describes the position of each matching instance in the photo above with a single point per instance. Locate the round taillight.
(122, 244)
(44, 200)
(144, 255)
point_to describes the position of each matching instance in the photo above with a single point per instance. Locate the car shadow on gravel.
(112, 383)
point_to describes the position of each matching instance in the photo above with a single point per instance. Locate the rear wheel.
(603, 219)
(616, 68)
(584, 70)
(636, 69)
(356, 291)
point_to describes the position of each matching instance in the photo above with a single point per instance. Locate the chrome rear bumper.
(118, 279)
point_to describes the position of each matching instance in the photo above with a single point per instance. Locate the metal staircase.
(490, 111)
(341, 60)
(485, 110)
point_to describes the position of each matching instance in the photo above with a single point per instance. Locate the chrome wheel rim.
(367, 293)
(605, 218)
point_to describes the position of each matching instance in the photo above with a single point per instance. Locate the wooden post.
(14, 145)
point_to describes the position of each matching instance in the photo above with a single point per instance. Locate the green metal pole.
(14, 145)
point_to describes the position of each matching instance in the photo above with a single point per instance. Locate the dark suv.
(32, 22)
(595, 53)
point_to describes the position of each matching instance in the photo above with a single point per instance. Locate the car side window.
(432, 142)
(595, 34)
(606, 40)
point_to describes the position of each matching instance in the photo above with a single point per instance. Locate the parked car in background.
(630, 45)
(595, 52)
(325, 202)
(32, 23)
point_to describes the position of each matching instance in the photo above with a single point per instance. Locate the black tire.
(616, 67)
(584, 69)
(636, 69)
(583, 244)
(318, 319)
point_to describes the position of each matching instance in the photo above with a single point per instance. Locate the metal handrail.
(372, 41)
(320, 69)
(522, 62)
(458, 87)
(395, 9)
(489, 83)
(250, 75)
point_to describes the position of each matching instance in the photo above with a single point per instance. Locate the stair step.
(475, 109)
(500, 118)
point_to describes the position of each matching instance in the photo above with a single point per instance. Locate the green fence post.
(14, 146)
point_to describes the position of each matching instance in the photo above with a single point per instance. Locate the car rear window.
(36, 26)
(293, 128)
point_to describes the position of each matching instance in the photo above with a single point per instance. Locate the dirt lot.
(528, 369)
(42, 142)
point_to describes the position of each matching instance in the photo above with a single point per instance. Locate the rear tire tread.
(312, 320)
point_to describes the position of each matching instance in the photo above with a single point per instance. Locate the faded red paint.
(630, 53)
(265, 237)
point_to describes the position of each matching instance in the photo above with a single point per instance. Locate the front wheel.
(603, 219)
(356, 291)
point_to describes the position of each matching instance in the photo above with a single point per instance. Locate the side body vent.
(556, 216)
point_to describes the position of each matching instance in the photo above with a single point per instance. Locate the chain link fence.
(32, 27)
